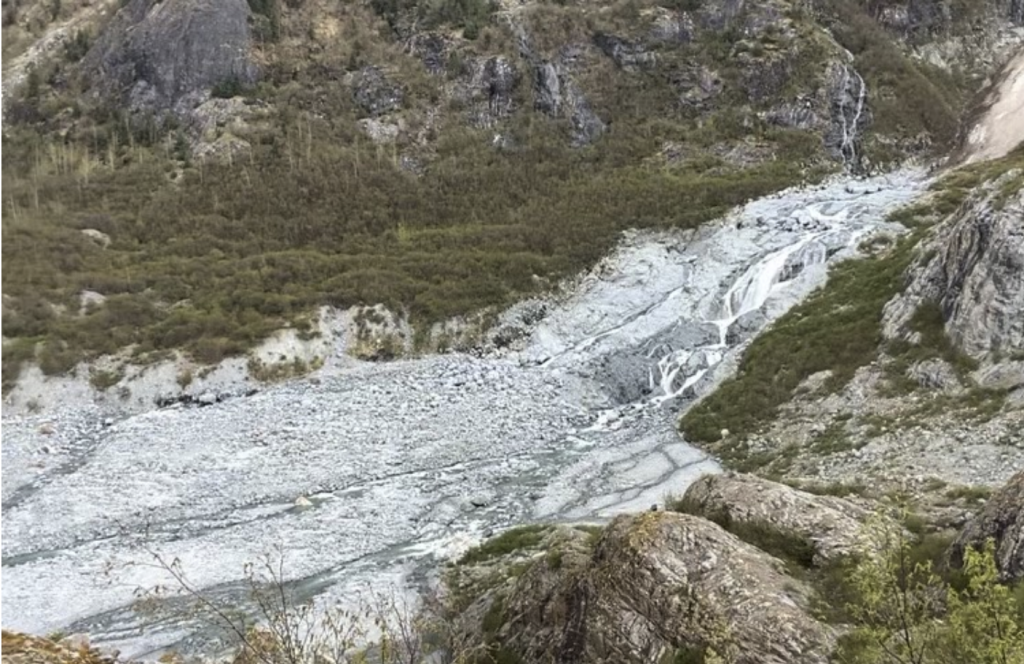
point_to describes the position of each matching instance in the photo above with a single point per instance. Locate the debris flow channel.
(409, 462)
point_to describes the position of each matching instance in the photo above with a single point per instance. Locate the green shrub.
(105, 379)
(523, 537)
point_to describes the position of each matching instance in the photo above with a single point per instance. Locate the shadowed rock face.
(976, 275)
(161, 55)
(1002, 520)
(832, 526)
(655, 583)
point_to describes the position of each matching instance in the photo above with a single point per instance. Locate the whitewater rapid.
(412, 461)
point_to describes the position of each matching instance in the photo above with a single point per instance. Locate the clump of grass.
(836, 489)
(516, 539)
(274, 372)
(970, 494)
(104, 379)
(185, 378)
(593, 533)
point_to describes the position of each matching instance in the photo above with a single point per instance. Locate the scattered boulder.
(160, 56)
(432, 50)
(934, 374)
(746, 327)
(671, 27)
(832, 526)
(698, 87)
(1002, 520)
(628, 55)
(379, 131)
(99, 237)
(88, 299)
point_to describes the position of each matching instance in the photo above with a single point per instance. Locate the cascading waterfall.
(748, 293)
(848, 142)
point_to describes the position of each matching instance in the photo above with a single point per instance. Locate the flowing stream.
(411, 462)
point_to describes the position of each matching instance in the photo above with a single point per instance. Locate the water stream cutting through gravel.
(411, 461)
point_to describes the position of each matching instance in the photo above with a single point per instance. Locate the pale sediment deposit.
(406, 459)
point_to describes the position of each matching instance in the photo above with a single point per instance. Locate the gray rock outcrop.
(374, 93)
(975, 272)
(831, 526)
(1002, 520)
(629, 55)
(558, 96)
(163, 55)
(556, 92)
(489, 90)
(655, 583)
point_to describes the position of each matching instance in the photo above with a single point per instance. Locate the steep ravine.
(416, 458)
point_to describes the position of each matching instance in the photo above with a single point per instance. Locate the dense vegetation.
(213, 257)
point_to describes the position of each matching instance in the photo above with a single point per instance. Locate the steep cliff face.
(975, 273)
(156, 55)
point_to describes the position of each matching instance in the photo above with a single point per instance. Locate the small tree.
(982, 625)
(897, 598)
(383, 628)
(905, 613)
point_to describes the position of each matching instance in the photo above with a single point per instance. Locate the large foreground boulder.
(1002, 520)
(653, 586)
(831, 527)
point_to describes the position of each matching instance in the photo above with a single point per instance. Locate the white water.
(418, 457)
(848, 146)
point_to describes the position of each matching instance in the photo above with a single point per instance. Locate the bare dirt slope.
(1001, 127)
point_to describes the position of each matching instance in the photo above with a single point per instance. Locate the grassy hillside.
(440, 220)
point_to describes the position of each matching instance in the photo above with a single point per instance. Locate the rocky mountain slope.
(302, 154)
(928, 389)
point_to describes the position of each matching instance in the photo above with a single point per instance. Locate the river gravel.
(410, 461)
